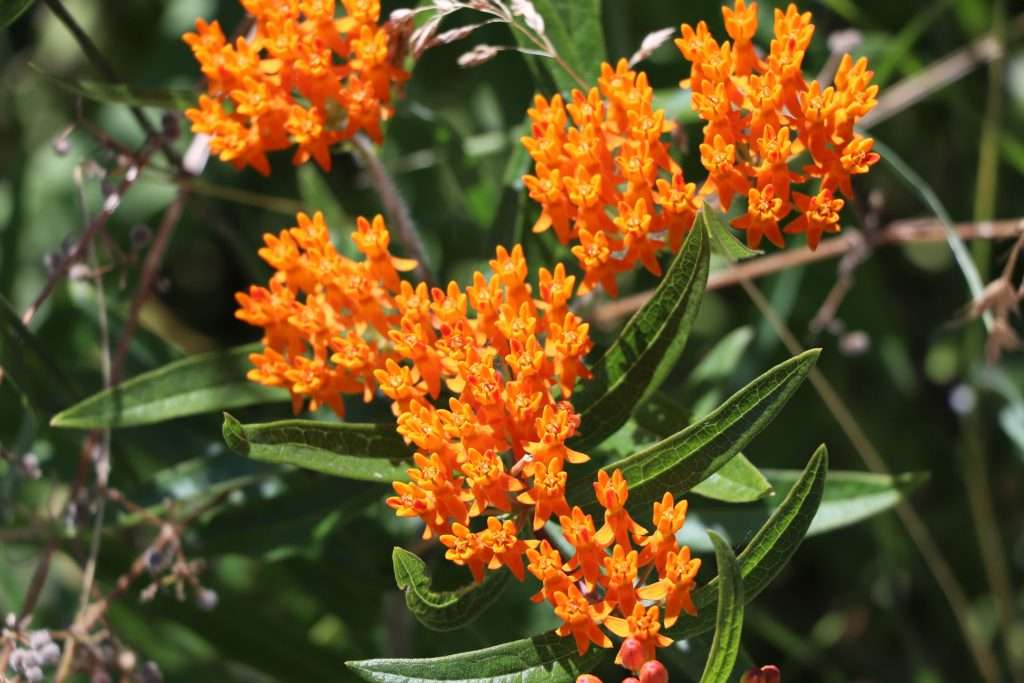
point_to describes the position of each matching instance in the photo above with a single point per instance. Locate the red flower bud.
(631, 679)
(653, 672)
(587, 678)
(766, 674)
(631, 654)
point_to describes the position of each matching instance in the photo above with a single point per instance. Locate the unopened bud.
(631, 654)
(61, 145)
(653, 672)
(631, 679)
(207, 599)
(766, 674)
(587, 678)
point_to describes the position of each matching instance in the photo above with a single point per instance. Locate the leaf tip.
(234, 435)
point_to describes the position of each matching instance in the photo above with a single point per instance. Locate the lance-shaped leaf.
(191, 386)
(122, 93)
(25, 365)
(542, 659)
(648, 347)
(729, 617)
(443, 610)
(366, 452)
(737, 481)
(723, 241)
(849, 498)
(574, 29)
(550, 659)
(681, 461)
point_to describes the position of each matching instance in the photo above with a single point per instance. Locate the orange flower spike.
(818, 214)
(545, 563)
(489, 483)
(719, 158)
(578, 528)
(506, 548)
(466, 549)
(581, 619)
(612, 493)
(644, 625)
(741, 25)
(676, 586)
(548, 492)
(764, 211)
(620, 575)
(668, 519)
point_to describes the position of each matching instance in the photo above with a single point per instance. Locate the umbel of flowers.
(491, 460)
(604, 178)
(302, 77)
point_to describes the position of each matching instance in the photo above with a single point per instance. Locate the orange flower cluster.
(302, 77)
(607, 180)
(325, 317)
(490, 468)
(762, 114)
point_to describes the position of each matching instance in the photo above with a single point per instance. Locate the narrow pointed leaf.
(548, 658)
(648, 347)
(25, 365)
(366, 452)
(723, 241)
(681, 461)
(121, 93)
(849, 498)
(198, 384)
(444, 610)
(541, 659)
(729, 618)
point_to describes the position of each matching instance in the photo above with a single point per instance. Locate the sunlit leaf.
(849, 498)
(646, 349)
(444, 610)
(729, 618)
(199, 384)
(737, 481)
(366, 452)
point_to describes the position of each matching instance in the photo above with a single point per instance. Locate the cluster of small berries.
(302, 77)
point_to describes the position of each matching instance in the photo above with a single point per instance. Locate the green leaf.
(548, 658)
(23, 363)
(681, 461)
(542, 659)
(647, 348)
(191, 386)
(720, 362)
(447, 610)
(722, 240)
(737, 481)
(365, 452)
(770, 548)
(849, 498)
(10, 10)
(729, 618)
(122, 93)
(574, 28)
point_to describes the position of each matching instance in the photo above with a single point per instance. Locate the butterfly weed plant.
(501, 414)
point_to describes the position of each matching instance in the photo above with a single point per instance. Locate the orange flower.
(545, 563)
(612, 493)
(642, 624)
(505, 546)
(466, 549)
(819, 214)
(548, 493)
(579, 531)
(764, 210)
(668, 519)
(621, 568)
(580, 619)
(676, 586)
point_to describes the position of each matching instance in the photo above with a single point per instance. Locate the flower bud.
(631, 654)
(587, 678)
(653, 672)
(766, 674)
(631, 679)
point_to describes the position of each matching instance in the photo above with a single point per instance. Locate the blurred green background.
(302, 564)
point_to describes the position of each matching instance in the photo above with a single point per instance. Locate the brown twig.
(900, 232)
